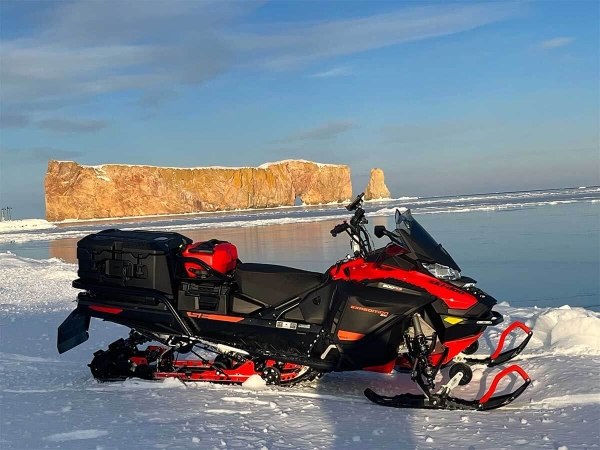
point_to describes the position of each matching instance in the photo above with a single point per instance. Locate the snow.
(267, 164)
(100, 173)
(100, 167)
(197, 221)
(554, 331)
(76, 435)
(72, 232)
(25, 224)
(254, 382)
(50, 401)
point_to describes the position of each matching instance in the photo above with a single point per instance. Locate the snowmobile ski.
(499, 357)
(445, 401)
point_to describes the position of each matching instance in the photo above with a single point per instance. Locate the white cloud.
(37, 155)
(333, 72)
(324, 131)
(9, 120)
(72, 126)
(289, 46)
(556, 42)
(89, 48)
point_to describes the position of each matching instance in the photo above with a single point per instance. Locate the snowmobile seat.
(272, 284)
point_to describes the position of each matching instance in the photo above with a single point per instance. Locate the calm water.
(537, 255)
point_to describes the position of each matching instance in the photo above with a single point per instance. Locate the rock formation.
(376, 188)
(74, 191)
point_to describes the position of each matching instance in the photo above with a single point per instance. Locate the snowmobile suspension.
(123, 360)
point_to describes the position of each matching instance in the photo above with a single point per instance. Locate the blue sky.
(447, 98)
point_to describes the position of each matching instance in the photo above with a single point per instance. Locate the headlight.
(442, 272)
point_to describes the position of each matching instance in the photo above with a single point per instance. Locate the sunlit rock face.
(74, 191)
(376, 188)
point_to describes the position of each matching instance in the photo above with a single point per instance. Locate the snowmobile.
(404, 306)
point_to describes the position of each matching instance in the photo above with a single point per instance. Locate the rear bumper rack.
(160, 316)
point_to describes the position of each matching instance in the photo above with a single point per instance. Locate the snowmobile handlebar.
(359, 236)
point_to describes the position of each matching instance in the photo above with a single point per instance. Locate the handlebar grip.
(355, 202)
(339, 229)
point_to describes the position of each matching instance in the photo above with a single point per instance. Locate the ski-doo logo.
(369, 310)
(445, 285)
(391, 287)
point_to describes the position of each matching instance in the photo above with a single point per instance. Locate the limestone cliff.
(74, 191)
(376, 188)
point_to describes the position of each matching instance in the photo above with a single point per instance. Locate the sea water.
(535, 248)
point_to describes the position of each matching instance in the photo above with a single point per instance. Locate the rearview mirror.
(379, 231)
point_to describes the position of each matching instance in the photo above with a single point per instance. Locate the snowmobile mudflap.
(72, 332)
(437, 401)
(498, 358)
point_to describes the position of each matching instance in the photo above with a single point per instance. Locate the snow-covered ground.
(11, 226)
(50, 401)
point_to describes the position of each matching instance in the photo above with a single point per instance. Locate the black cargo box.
(136, 259)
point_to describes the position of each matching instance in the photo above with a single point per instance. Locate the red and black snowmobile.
(404, 306)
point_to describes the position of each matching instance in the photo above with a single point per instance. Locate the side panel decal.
(219, 317)
(349, 335)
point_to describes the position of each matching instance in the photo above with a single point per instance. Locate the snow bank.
(565, 330)
(29, 285)
(25, 224)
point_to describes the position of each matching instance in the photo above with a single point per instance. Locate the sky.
(447, 98)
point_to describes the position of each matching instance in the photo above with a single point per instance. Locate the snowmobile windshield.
(431, 254)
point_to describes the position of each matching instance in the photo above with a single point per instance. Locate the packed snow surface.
(50, 401)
